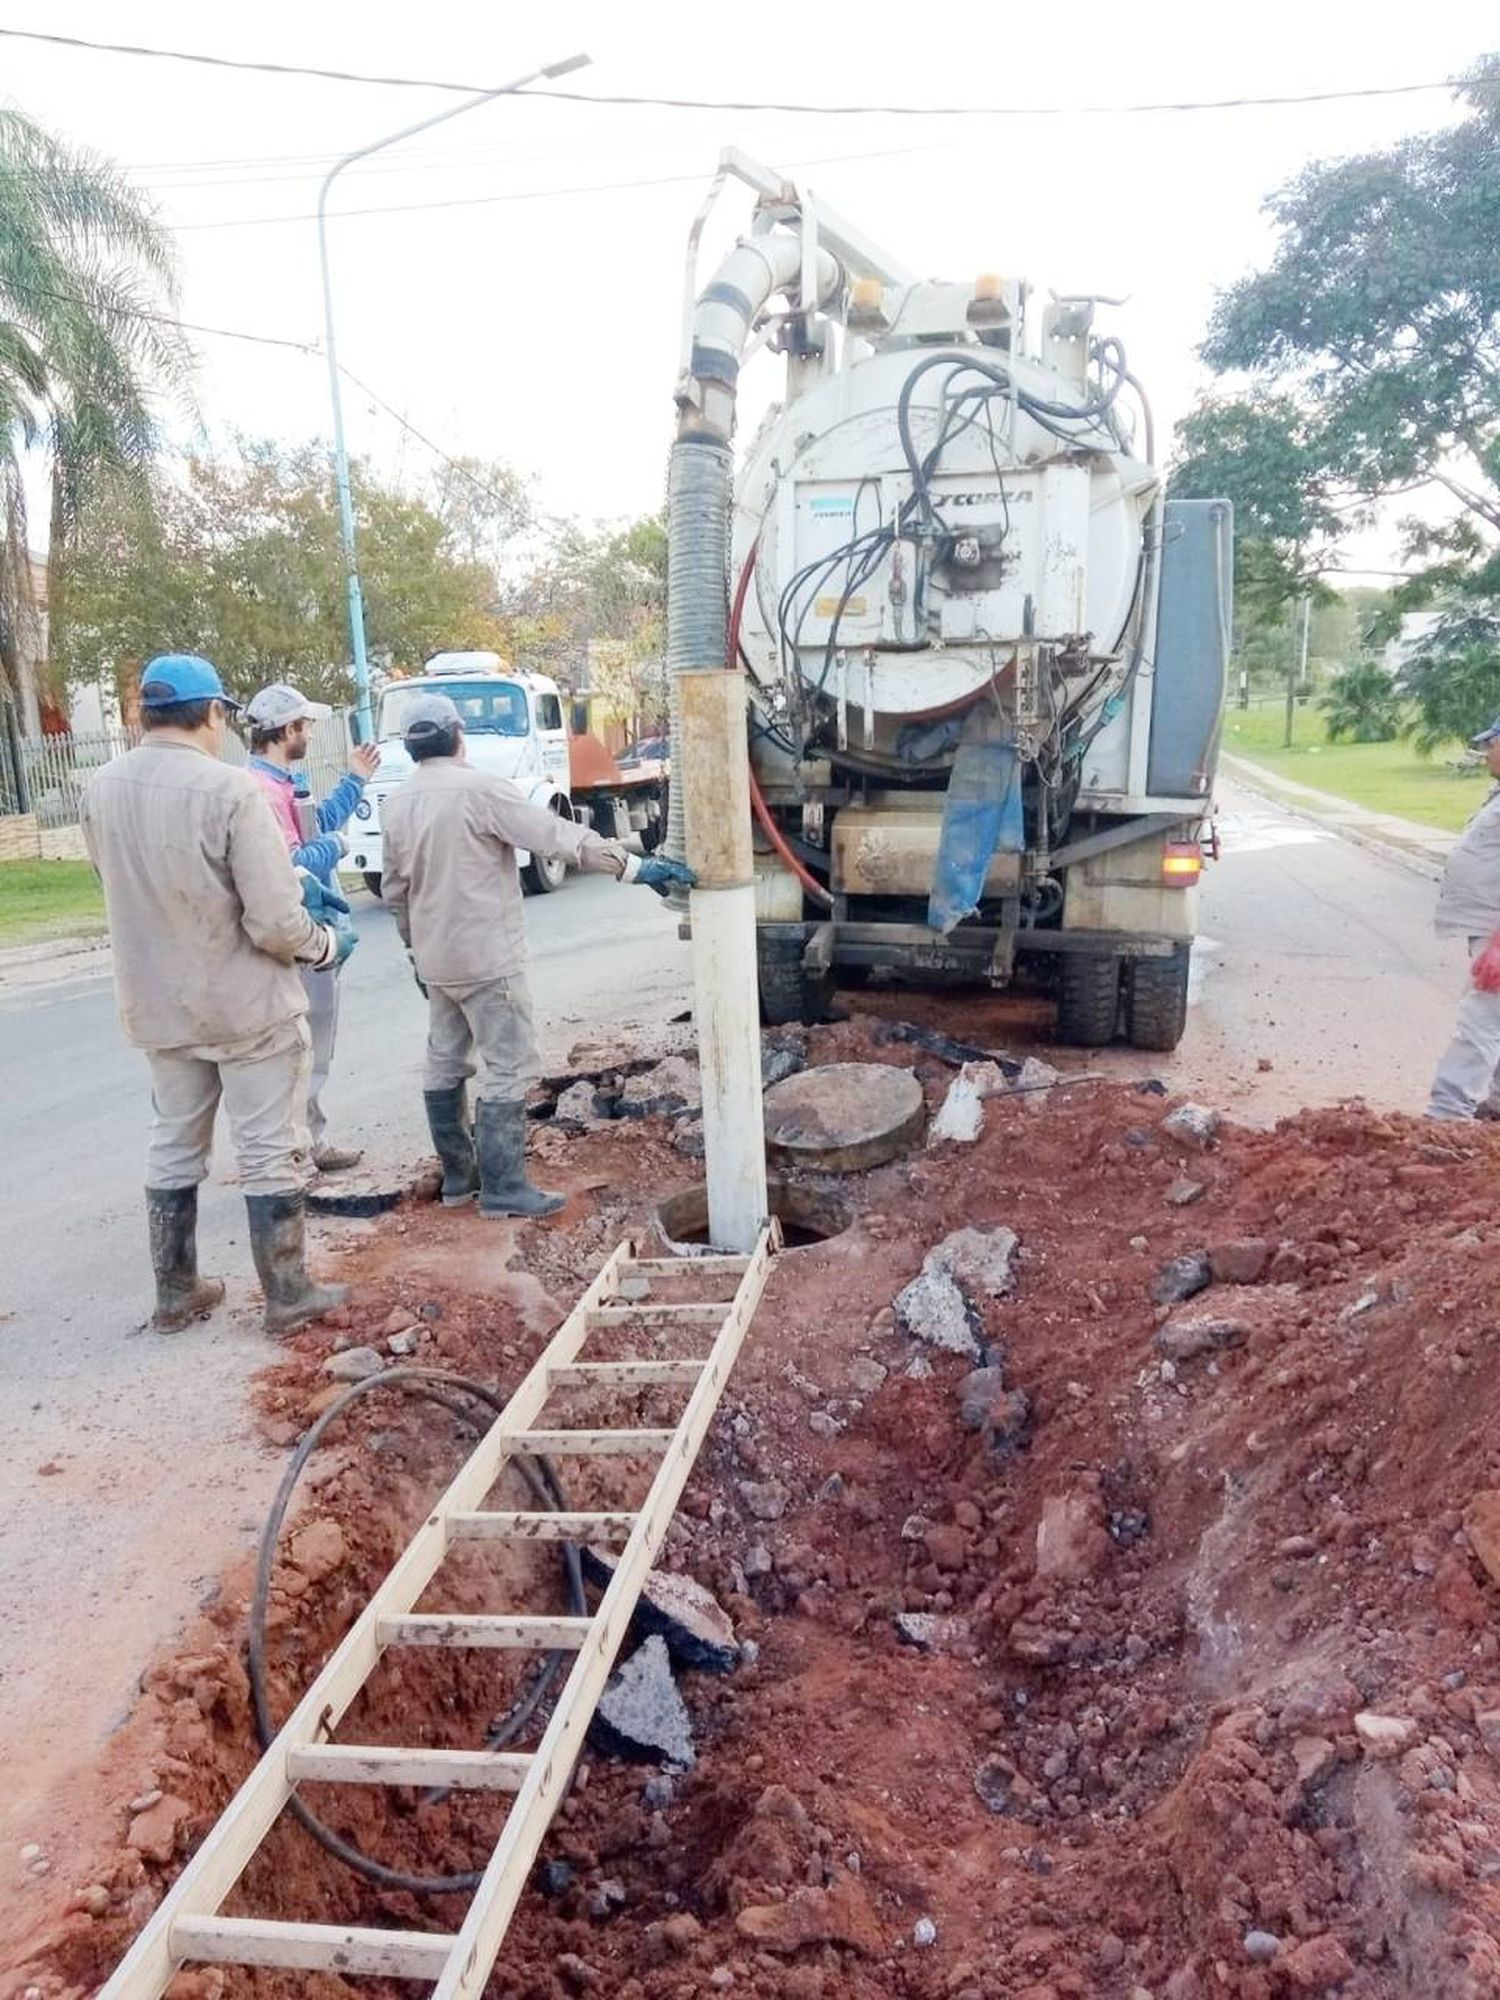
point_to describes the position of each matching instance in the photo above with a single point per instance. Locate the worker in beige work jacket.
(209, 923)
(449, 876)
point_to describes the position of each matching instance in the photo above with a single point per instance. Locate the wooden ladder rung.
(590, 1444)
(690, 1315)
(685, 1267)
(625, 1374)
(558, 1527)
(448, 1628)
(374, 1764)
(313, 1947)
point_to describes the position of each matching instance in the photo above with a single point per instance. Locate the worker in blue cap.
(1469, 907)
(209, 922)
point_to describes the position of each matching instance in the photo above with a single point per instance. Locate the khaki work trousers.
(262, 1083)
(1467, 1074)
(492, 1021)
(322, 990)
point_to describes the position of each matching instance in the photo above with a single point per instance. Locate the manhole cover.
(844, 1117)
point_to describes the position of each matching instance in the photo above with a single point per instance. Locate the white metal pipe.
(727, 1014)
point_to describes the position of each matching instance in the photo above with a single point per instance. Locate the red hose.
(762, 811)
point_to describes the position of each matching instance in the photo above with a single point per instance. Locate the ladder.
(187, 1926)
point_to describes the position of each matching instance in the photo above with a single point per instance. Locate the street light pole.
(354, 594)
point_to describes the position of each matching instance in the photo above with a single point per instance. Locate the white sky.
(544, 331)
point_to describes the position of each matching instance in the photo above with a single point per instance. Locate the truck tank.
(985, 657)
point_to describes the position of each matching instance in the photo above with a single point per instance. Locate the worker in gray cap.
(209, 923)
(450, 878)
(1469, 907)
(279, 717)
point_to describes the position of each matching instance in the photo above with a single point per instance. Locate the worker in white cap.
(450, 879)
(1467, 1083)
(279, 717)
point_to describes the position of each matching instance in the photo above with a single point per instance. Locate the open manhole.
(807, 1215)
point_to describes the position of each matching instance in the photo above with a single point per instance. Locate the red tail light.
(1181, 863)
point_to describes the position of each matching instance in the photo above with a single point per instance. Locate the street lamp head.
(567, 65)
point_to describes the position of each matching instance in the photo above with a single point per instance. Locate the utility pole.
(1296, 671)
(353, 593)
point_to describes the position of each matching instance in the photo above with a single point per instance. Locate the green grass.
(47, 899)
(1386, 777)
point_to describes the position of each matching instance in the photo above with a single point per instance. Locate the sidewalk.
(54, 958)
(1424, 849)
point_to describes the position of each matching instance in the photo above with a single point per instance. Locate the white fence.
(45, 775)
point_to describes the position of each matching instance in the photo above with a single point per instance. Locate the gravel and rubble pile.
(1142, 1645)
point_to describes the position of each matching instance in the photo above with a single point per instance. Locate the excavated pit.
(809, 1213)
(1073, 1677)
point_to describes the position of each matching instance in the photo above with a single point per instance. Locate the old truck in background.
(986, 656)
(515, 724)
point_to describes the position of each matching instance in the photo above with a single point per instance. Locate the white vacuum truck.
(986, 657)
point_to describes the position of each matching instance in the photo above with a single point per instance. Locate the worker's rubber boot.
(500, 1140)
(278, 1225)
(453, 1142)
(181, 1295)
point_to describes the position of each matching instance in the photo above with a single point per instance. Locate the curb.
(1255, 778)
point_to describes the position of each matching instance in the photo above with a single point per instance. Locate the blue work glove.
(343, 929)
(321, 903)
(661, 875)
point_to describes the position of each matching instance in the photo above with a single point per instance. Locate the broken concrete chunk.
(1182, 1193)
(1183, 1278)
(641, 1714)
(978, 1260)
(1315, 1758)
(1482, 1526)
(866, 1374)
(577, 1106)
(765, 1500)
(1192, 1125)
(930, 1633)
(933, 1309)
(824, 1424)
(688, 1139)
(404, 1342)
(353, 1364)
(961, 1118)
(1487, 1722)
(672, 1087)
(698, 1631)
(1192, 1334)
(988, 1079)
(1384, 1735)
(1036, 1079)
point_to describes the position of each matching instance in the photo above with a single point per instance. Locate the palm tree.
(87, 344)
(1363, 703)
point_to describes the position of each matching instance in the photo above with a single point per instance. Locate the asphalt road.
(129, 1476)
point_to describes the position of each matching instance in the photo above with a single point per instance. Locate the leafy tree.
(240, 560)
(592, 611)
(86, 344)
(1363, 704)
(1371, 347)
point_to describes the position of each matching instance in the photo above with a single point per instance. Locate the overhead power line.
(732, 104)
(121, 311)
(526, 194)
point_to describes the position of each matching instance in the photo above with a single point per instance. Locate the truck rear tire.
(1156, 1000)
(1088, 999)
(544, 873)
(788, 994)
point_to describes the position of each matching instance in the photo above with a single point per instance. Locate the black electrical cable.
(431, 1383)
